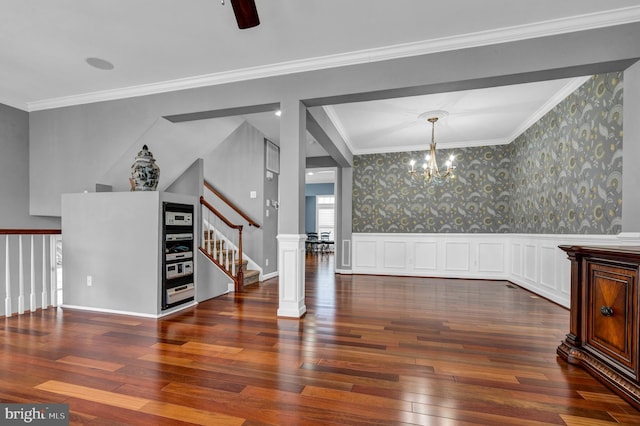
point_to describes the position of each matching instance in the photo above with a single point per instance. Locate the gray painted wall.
(269, 261)
(14, 207)
(14, 173)
(115, 237)
(236, 168)
(344, 227)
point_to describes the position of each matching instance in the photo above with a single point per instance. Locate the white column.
(291, 275)
(291, 236)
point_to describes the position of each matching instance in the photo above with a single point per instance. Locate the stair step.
(251, 277)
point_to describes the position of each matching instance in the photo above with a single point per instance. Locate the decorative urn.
(145, 173)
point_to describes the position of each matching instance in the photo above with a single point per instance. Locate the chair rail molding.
(532, 261)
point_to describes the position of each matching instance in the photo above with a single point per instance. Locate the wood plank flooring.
(370, 351)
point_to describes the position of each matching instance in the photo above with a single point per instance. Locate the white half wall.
(532, 261)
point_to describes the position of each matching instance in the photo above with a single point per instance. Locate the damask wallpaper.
(566, 173)
(562, 175)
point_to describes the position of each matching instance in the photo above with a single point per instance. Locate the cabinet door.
(611, 317)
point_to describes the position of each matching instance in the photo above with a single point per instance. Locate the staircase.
(226, 257)
(221, 242)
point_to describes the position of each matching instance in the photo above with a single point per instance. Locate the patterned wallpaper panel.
(385, 199)
(567, 168)
(562, 175)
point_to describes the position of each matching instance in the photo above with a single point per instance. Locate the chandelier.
(430, 172)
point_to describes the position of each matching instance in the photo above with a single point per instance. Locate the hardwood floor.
(370, 351)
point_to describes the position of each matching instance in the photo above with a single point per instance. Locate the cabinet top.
(614, 251)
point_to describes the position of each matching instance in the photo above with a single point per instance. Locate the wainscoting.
(532, 261)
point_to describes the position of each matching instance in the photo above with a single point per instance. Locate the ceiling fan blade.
(246, 13)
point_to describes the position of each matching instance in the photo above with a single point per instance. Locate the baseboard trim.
(129, 313)
(270, 275)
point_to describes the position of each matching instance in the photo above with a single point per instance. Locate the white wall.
(531, 261)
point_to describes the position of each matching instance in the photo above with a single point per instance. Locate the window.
(325, 214)
(272, 157)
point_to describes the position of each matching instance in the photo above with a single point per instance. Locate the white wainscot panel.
(365, 254)
(564, 271)
(425, 255)
(491, 257)
(456, 256)
(530, 262)
(395, 254)
(516, 259)
(548, 266)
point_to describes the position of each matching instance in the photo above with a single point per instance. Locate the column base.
(291, 275)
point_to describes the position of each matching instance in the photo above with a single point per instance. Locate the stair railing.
(221, 242)
(228, 202)
(40, 290)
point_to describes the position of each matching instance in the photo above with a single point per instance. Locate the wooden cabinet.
(604, 327)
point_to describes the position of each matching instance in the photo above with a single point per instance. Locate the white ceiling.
(164, 45)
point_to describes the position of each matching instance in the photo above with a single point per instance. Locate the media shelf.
(178, 254)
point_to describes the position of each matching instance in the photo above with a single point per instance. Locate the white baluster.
(53, 269)
(45, 298)
(32, 294)
(7, 281)
(226, 257)
(212, 237)
(236, 253)
(234, 260)
(20, 277)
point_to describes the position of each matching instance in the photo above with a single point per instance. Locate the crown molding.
(482, 38)
(333, 116)
(425, 146)
(558, 97)
(14, 103)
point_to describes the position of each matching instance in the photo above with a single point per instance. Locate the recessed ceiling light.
(101, 64)
(310, 173)
(278, 113)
